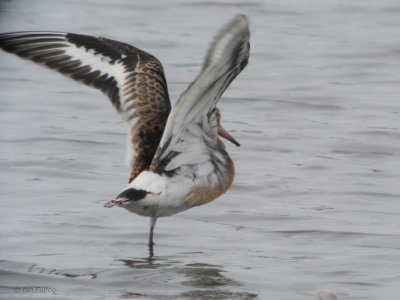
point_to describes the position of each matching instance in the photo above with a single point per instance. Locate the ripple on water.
(315, 202)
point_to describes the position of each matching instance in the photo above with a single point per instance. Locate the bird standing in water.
(178, 162)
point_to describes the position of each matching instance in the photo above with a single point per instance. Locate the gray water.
(316, 200)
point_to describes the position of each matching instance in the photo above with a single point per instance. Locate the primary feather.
(133, 80)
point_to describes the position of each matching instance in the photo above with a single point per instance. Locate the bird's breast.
(203, 193)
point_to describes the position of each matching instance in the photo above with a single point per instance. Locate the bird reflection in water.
(203, 281)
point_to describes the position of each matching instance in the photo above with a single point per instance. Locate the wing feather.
(133, 80)
(191, 129)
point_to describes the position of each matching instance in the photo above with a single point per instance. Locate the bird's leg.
(153, 221)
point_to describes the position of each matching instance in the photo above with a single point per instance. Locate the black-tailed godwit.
(178, 160)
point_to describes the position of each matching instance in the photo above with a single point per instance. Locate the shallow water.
(315, 204)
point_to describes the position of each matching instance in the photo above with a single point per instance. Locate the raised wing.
(133, 79)
(191, 129)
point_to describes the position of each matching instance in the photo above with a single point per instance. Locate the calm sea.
(316, 200)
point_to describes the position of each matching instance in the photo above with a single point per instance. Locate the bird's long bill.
(222, 132)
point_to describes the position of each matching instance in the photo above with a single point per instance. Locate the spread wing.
(191, 130)
(133, 79)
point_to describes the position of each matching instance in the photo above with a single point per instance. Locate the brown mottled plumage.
(149, 94)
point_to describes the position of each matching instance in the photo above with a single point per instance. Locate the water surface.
(315, 204)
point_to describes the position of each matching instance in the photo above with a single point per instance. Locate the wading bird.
(178, 162)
